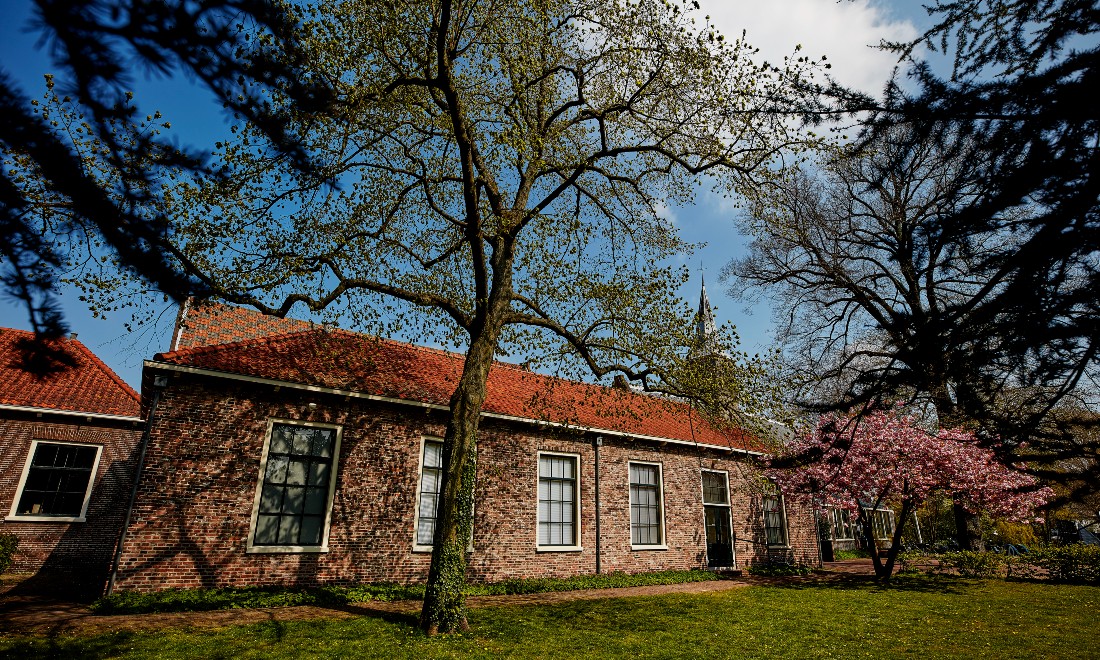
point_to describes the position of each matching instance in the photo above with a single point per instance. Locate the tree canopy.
(1022, 78)
(492, 176)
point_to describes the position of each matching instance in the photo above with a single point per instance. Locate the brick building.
(283, 454)
(68, 432)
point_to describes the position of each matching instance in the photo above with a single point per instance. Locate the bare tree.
(880, 297)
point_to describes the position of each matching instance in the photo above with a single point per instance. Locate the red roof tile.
(88, 386)
(205, 324)
(348, 361)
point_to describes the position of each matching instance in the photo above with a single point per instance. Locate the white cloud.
(844, 31)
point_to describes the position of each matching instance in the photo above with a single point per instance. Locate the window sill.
(427, 549)
(558, 548)
(781, 546)
(285, 549)
(648, 547)
(53, 519)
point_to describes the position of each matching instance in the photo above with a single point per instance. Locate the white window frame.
(577, 547)
(663, 544)
(417, 546)
(13, 516)
(774, 491)
(334, 477)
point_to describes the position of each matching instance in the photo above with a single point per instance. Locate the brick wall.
(195, 500)
(80, 551)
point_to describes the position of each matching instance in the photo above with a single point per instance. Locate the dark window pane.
(311, 530)
(288, 530)
(267, 530)
(316, 499)
(297, 481)
(294, 500)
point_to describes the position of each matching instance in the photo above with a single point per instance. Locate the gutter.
(598, 443)
(72, 413)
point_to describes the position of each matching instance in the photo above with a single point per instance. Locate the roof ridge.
(210, 348)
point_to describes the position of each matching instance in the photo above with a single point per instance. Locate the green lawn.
(926, 618)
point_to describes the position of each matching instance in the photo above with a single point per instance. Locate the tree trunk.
(895, 542)
(962, 527)
(444, 598)
(950, 417)
(866, 523)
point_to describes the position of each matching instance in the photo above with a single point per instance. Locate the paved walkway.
(22, 615)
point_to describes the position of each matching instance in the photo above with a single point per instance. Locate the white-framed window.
(293, 504)
(427, 496)
(882, 523)
(775, 517)
(56, 484)
(647, 524)
(844, 528)
(559, 510)
(842, 524)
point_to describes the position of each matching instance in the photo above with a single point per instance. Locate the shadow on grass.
(920, 583)
(383, 613)
(55, 645)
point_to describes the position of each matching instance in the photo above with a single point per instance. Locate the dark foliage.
(242, 50)
(1025, 73)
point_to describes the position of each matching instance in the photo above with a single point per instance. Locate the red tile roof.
(205, 324)
(88, 386)
(348, 361)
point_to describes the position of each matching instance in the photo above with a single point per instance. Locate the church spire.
(704, 318)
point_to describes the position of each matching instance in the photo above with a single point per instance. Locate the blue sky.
(841, 30)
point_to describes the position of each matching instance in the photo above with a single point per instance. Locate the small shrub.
(970, 564)
(843, 555)
(1021, 567)
(8, 544)
(1070, 563)
(908, 561)
(779, 569)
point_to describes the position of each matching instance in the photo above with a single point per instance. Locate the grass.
(921, 617)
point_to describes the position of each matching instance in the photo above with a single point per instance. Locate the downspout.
(599, 443)
(817, 535)
(159, 383)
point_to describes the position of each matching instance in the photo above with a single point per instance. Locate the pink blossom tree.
(886, 458)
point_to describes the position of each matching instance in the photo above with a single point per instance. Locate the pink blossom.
(887, 458)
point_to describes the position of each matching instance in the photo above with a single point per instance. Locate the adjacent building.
(68, 431)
